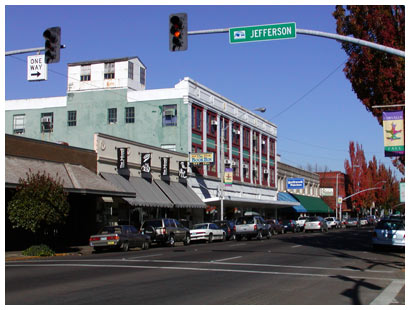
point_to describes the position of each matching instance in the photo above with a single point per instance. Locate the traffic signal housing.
(178, 32)
(52, 44)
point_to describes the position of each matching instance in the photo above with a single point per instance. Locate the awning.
(282, 196)
(182, 196)
(313, 204)
(239, 202)
(75, 178)
(147, 194)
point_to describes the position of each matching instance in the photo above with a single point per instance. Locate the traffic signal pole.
(333, 36)
(28, 50)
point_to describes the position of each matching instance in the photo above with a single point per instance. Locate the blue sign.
(295, 183)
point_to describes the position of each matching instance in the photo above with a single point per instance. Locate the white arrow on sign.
(36, 68)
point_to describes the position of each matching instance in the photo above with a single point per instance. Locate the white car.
(316, 223)
(207, 232)
(332, 222)
(389, 233)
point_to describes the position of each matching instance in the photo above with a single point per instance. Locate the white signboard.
(36, 68)
(326, 191)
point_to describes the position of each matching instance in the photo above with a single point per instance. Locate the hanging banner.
(122, 158)
(164, 166)
(393, 131)
(146, 164)
(228, 177)
(201, 158)
(183, 169)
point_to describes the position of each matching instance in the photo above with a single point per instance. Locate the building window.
(112, 116)
(212, 124)
(130, 70)
(196, 118)
(46, 122)
(129, 115)
(19, 124)
(72, 118)
(169, 115)
(109, 70)
(85, 73)
(142, 75)
(246, 137)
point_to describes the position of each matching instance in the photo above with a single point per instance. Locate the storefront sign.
(122, 158)
(183, 169)
(393, 130)
(202, 158)
(164, 166)
(228, 177)
(326, 191)
(295, 183)
(146, 164)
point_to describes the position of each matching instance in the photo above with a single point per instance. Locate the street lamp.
(222, 157)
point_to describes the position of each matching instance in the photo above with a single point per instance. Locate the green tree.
(377, 78)
(39, 204)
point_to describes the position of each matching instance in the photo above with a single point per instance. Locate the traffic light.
(52, 44)
(178, 32)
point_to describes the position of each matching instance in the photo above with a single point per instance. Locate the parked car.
(228, 227)
(166, 231)
(352, 222)
(332, 222)
(252, 226)
(301, 222)
(207, 232)
(389, 233)
(119, 237)
(316, 223)
(290, 225)
(363, 221)
(275, 227)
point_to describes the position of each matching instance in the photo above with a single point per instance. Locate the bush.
(38, 250)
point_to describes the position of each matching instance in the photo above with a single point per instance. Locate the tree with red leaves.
(377, 77)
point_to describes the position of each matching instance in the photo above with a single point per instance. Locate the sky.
(300, 81)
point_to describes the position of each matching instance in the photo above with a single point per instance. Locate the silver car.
(389, 233)
(316, 223)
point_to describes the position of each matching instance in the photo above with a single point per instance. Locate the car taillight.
(95, 239)
(255, 228)
(116, 237)
(234, 228)
(374, 234)
(320, 223)
(229, 230)
(164, 231)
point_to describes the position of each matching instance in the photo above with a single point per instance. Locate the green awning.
(313, 204)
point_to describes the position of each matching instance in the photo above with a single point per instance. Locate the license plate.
(103, 238)
(110, 242)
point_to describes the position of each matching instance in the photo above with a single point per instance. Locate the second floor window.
(130, 70)
(72, 118)
(109, 70)
(169, 115)
(129, 115)
(85, 73)
(19, 124)
(46, 122)
(112, 116)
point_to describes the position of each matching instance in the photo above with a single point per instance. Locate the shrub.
(38, 250)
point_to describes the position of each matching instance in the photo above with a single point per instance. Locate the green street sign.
(262, 33)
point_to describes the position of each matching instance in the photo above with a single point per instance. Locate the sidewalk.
(74, 250)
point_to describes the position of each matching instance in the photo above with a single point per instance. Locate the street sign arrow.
(34, 74)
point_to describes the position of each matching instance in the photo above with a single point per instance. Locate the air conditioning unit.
(245, 166)
(46, 119)
(214, 122)
(263, 142)
(227, 162)
(236, 131)
(265, 171)
(170, 112)
(234, 164)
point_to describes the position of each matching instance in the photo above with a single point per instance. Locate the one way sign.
(36, 68)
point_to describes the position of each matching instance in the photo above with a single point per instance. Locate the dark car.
(228, 227)
(290, 225)
(119, 237)
(276, 227)
(166, 231)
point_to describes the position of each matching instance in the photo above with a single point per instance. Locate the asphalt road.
(334, 268)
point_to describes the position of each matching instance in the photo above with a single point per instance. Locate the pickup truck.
(301, 222)
(250, 227)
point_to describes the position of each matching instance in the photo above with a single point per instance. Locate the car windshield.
(286, 221)
(390, 225)
(200, 226)
(110, 230)
(312, 219)
(244, 220)
(156, 223)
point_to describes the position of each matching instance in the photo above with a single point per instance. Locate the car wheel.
(269, 235)
(233, 237)
(171, 241)
(125, 247)
(223, 237)
(238, 238)
(275, 232)
(259, 235)
(187, 240)
(283, 231)
(145, 245)
(210, 238)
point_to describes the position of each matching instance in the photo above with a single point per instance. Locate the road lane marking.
(199, 269)
(224, 259)
(296, 246)
(389, 293)
(136, 257)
